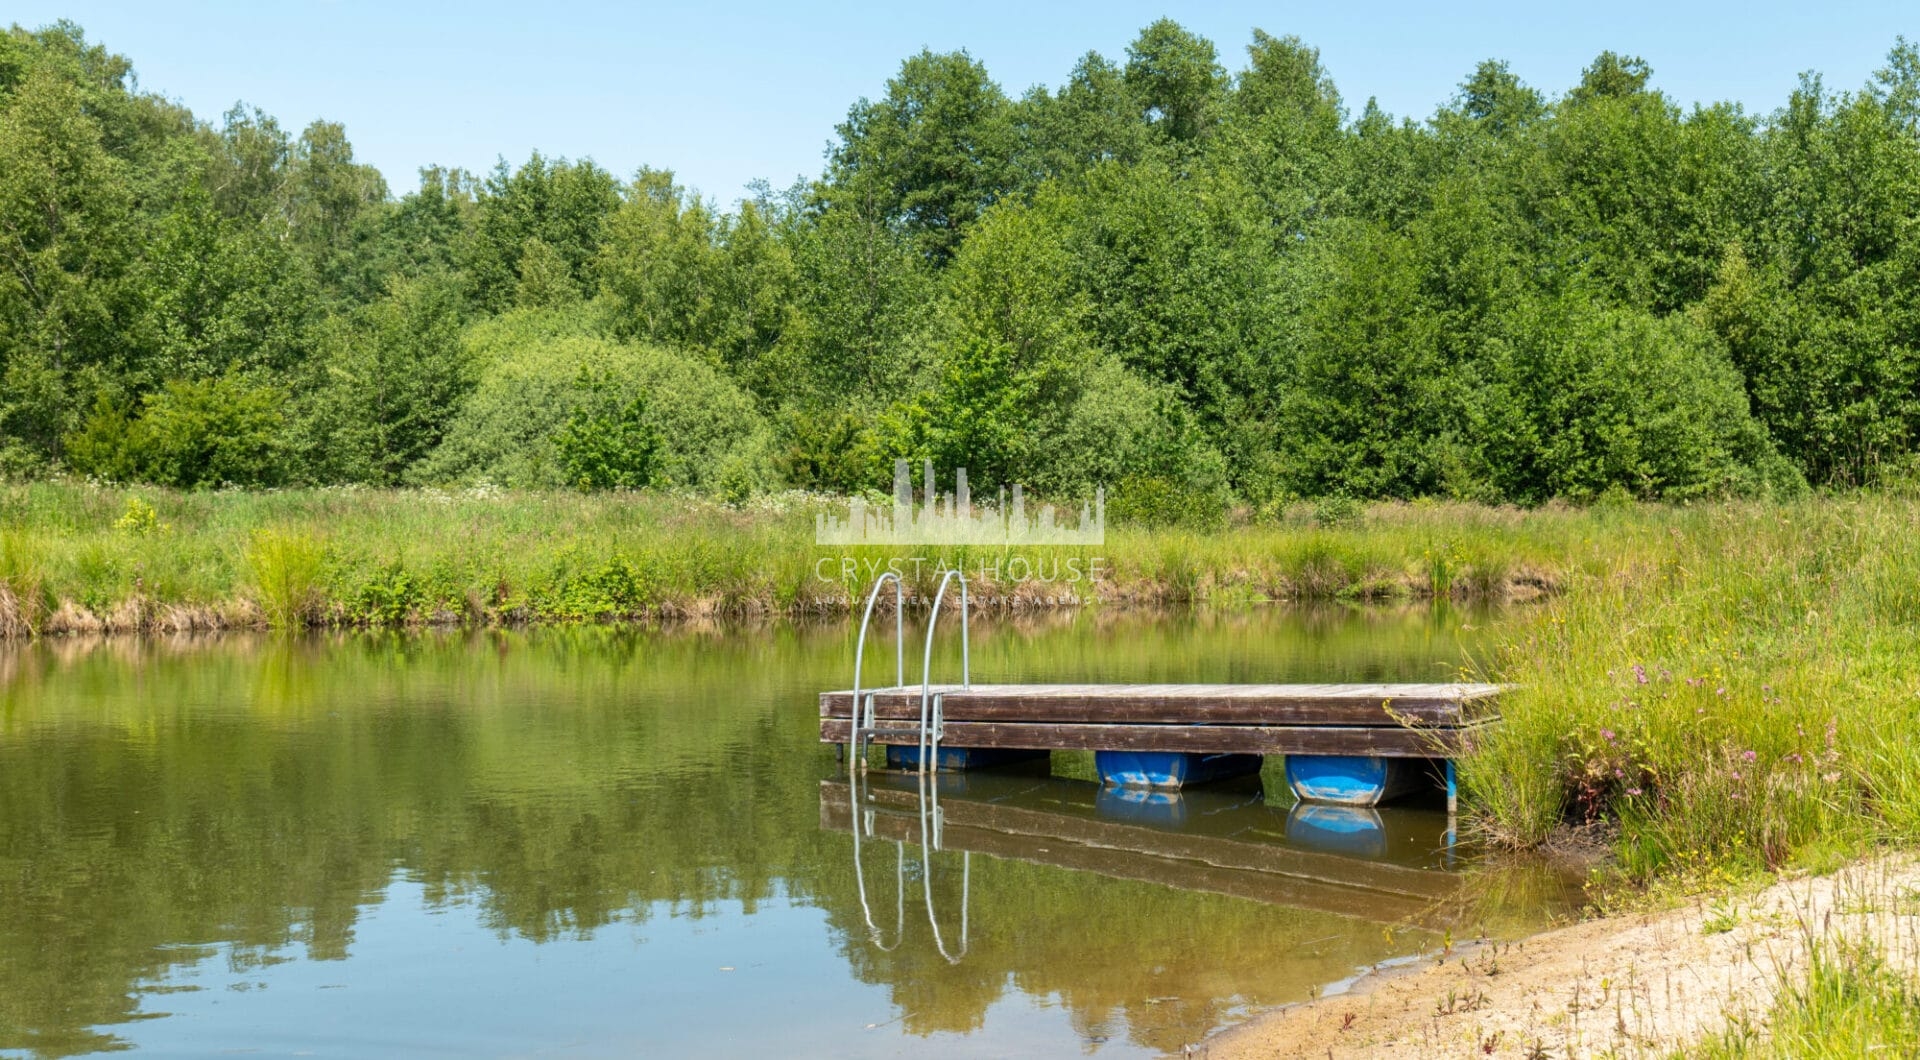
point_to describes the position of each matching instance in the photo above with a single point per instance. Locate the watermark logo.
(955, 519)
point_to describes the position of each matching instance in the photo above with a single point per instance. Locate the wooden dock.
(1344, 726)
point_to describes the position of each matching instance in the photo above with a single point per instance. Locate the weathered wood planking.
(1339, 705)
(1272, 874)
(1201, 739)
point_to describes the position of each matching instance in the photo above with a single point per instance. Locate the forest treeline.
(1191, 285)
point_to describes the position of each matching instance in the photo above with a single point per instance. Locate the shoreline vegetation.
(85, 558)
(1718, 693)
(1728, 686)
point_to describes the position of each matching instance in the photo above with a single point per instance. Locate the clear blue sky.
(727, 92)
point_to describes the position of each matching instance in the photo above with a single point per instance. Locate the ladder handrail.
(930, 737)
(930, 842)
(857, 758)
(860, 878)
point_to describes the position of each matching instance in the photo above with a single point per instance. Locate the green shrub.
(140, 519)
(1156, 501)
(535, 374)
(1124, 429)
(190, 434)
(828, 450)
(386, 380)
(607, 443)
(1587, 399)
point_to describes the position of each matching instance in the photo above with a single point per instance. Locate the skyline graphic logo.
(955, 519)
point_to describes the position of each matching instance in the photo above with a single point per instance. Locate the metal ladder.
(865, 726)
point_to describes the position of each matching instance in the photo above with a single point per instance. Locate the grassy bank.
(1738, 690)
(77, 558)
(1722, 687)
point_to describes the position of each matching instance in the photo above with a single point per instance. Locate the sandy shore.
(1624, 986)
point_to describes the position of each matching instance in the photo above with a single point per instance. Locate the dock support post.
(1453, 810)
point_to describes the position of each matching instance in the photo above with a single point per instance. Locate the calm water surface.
(601, 843)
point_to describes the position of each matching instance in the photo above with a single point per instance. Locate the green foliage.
(552, 206)
(214, 432)
(861, 296)
(829, 451)
(537, 370)
(1138, 439)
(930, 155)
(606, 443)
(678, 274)
(1176, 76)
(1216, 285)
(1620, 400)
(1009, 356)
(140, 519)
(388, 379)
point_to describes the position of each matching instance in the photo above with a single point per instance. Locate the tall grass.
(104, 557)
(1853, 1004)
(286, 569)
(1856, 993)
(1739, 686)
(22, 584)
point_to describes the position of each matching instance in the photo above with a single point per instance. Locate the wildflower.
(1607, 735)
(1750, 755)
(1830, 777)
(1736, 775)
(1794, 758)
(1639, 673)
(1633, 791)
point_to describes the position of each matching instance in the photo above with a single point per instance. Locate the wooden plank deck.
(1374, 740)
(1357, 704)
(1383, 720)
(1263, 872)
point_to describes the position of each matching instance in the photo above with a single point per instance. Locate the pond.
(616, 842)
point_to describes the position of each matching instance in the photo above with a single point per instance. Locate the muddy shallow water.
(606, 842)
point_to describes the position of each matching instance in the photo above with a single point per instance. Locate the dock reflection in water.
(1386, 866)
